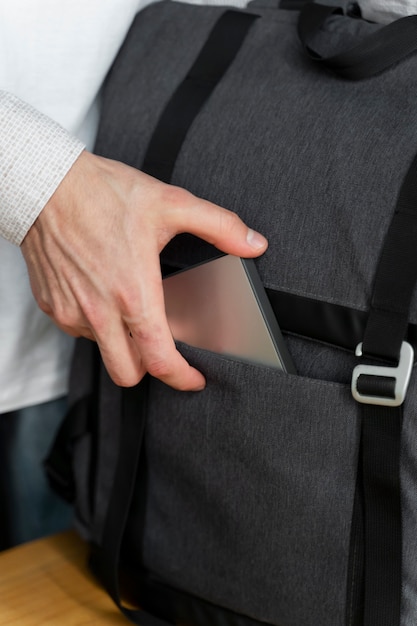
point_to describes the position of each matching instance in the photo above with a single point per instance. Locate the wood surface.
(46, 582)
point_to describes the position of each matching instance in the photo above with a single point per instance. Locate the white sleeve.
(35, 155)
(386, 11)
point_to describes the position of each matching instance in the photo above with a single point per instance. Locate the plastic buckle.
(401, 373)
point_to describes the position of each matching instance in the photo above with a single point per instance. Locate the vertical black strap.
(394, 286)
(217, 54)
(105, 558)
(381, 428)
(395, 277)
(381, 437)
(215, 57)
(381, 425)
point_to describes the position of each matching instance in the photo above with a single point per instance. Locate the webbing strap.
(380, 441)
(217, 54)
(395, 277)
(212, 62)
(381, 426)
(105, 558)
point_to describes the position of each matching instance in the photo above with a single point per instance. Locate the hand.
(93, 261)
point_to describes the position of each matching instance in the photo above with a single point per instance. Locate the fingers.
(119, 354)
(220, 227)
(93, 258)
(136, 338)
(151, 336)
(161, 359)
(144, 312)
(131, 351)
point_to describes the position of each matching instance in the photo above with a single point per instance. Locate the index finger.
(153, 340)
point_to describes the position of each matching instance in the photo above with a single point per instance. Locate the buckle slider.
(401, 373)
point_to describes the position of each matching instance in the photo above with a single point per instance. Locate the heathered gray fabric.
(250, 483)
(323, 198)
(260, 470)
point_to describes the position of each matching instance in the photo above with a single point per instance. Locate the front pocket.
(250, 488)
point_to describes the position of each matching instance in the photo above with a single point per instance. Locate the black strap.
(376, 53)
(58, 464)
(221, 47)
(292, 5)
(212, 62)
(395, 281)
(380, 442)
(80, 420)
(395, 277)
(105, 558)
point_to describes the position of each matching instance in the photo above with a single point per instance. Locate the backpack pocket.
(249, 490)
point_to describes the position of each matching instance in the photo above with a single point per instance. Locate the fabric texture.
(35, 151)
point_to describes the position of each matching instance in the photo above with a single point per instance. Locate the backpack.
(267, 498)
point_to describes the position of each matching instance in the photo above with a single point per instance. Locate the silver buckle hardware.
(401, 373)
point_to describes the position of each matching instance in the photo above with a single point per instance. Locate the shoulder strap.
(381, 389)
(105, 558)
(376, 53)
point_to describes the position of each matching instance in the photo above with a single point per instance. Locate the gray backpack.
(268, 498)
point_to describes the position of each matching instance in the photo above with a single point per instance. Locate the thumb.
(222, 228)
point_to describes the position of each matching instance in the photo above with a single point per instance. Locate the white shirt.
(54, 56)
(386, 11)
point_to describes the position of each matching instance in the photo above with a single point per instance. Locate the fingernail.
(201, 386)
(255, 239)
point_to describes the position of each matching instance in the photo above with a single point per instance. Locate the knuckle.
(44, 306)
(96, 320)
(148, 337)
(64, 317)
(126, 380)
(143, 334)
(146, 330)
(128, 302)
(175, 197)
(229, 221)
(159, 368)
(98, 324)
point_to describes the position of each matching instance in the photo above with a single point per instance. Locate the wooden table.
(47, 583)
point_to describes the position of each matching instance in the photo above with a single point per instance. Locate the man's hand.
(93, 260)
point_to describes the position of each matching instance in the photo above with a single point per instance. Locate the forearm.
(35, 155)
